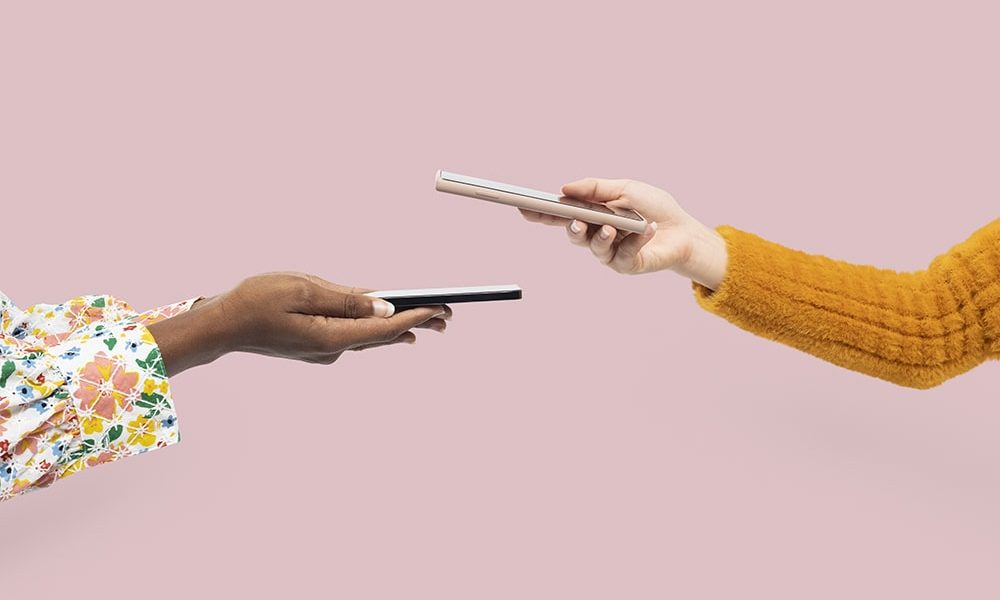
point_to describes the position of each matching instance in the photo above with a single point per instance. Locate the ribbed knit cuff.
(971, 271)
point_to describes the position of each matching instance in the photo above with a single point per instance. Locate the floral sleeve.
(81, 384)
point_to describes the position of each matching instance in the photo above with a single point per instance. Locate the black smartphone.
(413, 298)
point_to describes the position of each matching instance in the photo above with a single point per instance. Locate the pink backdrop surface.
(603, 438)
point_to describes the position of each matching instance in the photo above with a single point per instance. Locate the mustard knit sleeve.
(915, 329)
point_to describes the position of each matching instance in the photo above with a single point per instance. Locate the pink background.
(603, 438)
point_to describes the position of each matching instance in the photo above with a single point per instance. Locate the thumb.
(593, 189)
(334, 303)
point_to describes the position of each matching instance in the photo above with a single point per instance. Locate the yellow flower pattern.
(142, 432)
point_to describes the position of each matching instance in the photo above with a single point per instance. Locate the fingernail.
(605, 234)
(381, 308)
(575, 227)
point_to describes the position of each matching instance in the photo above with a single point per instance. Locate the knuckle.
(352, 305)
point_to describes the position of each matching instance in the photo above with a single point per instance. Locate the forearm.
(916, 329)
(195, 337)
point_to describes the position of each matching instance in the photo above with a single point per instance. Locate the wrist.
(195, 337)
(707, 261)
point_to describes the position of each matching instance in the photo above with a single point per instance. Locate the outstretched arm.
(85, 382)
(916, 329)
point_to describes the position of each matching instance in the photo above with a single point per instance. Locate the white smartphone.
(403, 299)
(543, 202)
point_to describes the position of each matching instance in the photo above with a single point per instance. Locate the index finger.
(545, 219)
(367, 331)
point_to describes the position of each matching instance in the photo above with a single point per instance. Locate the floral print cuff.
(82, 383)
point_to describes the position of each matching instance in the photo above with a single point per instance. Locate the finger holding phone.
(672, 240)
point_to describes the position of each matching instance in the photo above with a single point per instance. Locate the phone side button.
(487, 196)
